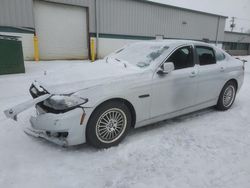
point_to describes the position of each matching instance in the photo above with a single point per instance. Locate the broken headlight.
(64, 102)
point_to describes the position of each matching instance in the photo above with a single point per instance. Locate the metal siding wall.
(71, 2)
(129, 17)
(221, 29)
(126, 17)
(236, 37)
(17, 13)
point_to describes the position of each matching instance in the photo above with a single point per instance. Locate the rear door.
(210, 75)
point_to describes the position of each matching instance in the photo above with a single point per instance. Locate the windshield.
(140, 54)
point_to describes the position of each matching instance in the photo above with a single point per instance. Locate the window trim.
(197, 56)
(219, 51)
(173, 51)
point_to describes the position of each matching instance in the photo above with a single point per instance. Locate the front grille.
(57, 134)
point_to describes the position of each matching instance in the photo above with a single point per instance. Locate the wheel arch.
(126, 102)
(235, 81)
(220, 106)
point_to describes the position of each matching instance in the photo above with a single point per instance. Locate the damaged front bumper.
(43, 134)
(65, 129)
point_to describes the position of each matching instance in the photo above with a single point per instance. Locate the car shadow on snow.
(174, 121)
(44, 143)
(165, 123)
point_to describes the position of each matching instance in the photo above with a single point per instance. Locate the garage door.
(61, 30)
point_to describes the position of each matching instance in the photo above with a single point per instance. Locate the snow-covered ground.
(206, 149)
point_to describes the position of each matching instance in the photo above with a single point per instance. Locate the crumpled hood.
(86, 75)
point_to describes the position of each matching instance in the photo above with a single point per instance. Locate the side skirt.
(176, 113)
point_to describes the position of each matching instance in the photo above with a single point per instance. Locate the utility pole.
(217, 32)
(232, 25)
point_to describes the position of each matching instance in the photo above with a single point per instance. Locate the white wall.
(27, 43)
(108, 45)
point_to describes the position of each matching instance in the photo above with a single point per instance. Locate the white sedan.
(137, 85)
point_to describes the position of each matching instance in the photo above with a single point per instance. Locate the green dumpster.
(11, 55)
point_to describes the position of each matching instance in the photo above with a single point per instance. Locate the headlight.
(63, 102)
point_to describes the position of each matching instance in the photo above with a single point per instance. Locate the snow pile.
(204, 149)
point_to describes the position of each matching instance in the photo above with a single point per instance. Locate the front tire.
(227, 96)
(108, 125)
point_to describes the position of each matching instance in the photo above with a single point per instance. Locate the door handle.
(222, 69)
(193, 74)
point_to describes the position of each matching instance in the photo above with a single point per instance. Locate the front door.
(176, 90)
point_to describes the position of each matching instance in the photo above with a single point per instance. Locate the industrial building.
(74, 29)
(237, 43)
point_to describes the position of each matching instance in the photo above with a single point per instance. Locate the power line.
(242, 19)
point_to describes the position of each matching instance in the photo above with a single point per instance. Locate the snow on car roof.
(174, 42)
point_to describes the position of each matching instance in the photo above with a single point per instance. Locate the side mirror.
(166, 68)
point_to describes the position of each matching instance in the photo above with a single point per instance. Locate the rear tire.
(227, 96)
(108, 125)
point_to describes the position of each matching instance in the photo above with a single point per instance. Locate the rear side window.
(220, 55)
(206, 55)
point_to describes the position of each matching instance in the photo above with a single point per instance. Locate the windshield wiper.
(118, 60)
(125, 65)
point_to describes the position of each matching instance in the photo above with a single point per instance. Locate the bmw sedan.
(139, 84)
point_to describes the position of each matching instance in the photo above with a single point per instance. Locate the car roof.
(173, 43)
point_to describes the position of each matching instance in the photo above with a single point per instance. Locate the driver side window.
(182, 58)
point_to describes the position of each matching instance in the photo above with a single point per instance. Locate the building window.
(235, 46)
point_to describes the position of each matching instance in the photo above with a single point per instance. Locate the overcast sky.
(238, 8)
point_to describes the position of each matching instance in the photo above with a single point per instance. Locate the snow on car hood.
(87, 75)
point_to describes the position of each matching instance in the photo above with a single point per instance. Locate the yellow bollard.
(36, 49)
(92, 49)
